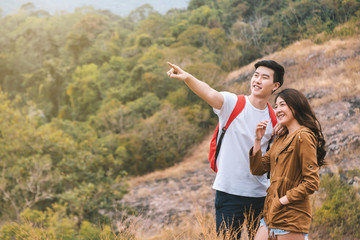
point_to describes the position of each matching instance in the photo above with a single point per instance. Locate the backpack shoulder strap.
(272, 115)
(240, 104)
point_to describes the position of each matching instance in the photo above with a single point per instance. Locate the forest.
(86, 102)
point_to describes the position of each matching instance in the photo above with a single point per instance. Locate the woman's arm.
(259, 164)
(259, 134)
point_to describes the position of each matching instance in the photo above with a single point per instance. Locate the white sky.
(120, 7)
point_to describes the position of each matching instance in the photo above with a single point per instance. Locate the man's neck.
(258, 102)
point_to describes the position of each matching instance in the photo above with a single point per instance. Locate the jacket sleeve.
(259, 165)
(309, 167)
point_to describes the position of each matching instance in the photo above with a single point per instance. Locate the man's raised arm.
(202, 89)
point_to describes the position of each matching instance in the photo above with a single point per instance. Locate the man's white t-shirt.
(233, 175)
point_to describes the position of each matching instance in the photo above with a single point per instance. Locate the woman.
(293, 161)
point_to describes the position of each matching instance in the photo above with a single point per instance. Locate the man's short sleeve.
(228, 106)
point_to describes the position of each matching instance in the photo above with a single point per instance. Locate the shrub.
(339, 214)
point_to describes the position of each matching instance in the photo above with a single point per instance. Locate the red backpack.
(215, 146)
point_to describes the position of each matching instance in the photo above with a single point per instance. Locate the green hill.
(86, 102)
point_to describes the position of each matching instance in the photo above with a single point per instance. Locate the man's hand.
(177, 73)
(200, 88)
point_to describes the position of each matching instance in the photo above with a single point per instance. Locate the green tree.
(155, 25)
(145, 106)
(114, 118)
(46, 86)
(203, 15)
(194, 4)
(164, 139)
(84, 92)
(143, 40)
(141, 13)
(29, 155)
(195, 35)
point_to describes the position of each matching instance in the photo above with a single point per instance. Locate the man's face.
(262, 82)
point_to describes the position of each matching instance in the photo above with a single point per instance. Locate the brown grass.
(199, 223)
(200, 226)
(333, 65)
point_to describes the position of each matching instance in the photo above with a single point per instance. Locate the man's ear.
(276, 86)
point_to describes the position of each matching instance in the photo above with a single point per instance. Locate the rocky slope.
(172, 196)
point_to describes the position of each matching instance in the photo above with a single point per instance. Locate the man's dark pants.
(231, 211)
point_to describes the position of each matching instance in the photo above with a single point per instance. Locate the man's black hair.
(278, 69)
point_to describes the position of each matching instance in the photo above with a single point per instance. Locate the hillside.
(86, 105)
(327, 73)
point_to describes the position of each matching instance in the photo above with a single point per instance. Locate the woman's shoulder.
(301, 134)
(305, 134)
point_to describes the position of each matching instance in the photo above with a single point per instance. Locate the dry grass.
(200, 226)
(197, 223)
(332, 66)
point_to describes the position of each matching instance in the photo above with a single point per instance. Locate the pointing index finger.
(173, 66)
(170, 64)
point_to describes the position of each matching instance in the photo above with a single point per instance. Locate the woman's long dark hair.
(305, 116)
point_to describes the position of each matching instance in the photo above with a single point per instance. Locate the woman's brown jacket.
(294, 171)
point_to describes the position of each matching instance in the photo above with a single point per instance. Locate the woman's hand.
(259, 134)
(260, 130)
(284, 200)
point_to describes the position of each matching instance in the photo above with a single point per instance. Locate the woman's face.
(283, 112)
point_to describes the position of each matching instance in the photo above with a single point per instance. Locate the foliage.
(339, 214)
(84, 92)
(55, 223)
(164, 140)
(43, 164)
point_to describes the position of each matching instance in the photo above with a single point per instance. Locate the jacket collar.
(288, 139)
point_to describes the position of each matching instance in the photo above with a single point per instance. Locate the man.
(237, 191)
